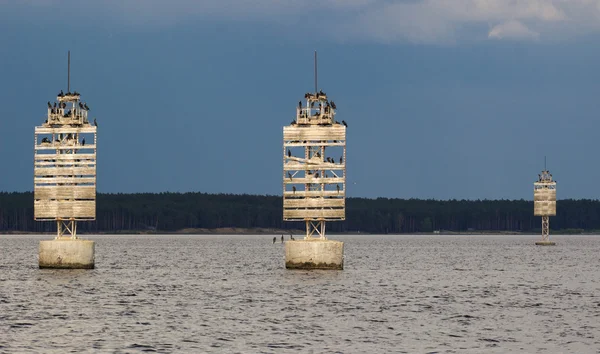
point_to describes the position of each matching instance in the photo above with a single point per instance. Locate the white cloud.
(429, 21)
(444, 21)
(440, 21)
(512, 30)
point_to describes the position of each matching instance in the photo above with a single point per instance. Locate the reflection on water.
(446, 294)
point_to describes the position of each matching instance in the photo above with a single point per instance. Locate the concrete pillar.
(545, 243)
(67, 254)
(314, 254)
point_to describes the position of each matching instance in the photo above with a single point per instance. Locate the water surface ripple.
(212, 294)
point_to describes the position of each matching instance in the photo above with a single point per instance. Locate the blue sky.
(444, 99)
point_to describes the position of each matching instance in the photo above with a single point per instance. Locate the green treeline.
(170, 212)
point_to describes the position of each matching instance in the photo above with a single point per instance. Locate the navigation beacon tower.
(65, 179)
(314, 180)
(544, 204)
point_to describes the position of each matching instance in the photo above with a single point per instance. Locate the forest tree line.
(170, 212)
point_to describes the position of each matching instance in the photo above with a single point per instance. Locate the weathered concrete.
(545, 243)
(314, 254)
(67, 253)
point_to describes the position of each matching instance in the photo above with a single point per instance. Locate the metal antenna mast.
(69, 73)
(316, 90)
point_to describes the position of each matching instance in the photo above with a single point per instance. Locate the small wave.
(142, 347)
(284, 346)
(21, 325)
(461, 316)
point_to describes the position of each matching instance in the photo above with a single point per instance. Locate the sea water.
(232, 293)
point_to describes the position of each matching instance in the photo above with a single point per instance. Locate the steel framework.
(545, 228)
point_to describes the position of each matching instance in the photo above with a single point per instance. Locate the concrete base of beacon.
(67, 254)
(545, 243)
(314, 254)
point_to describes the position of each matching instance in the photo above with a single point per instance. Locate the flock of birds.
(316, 175)
(54, 109)
(68, 137)
(317, 95)
(64, 105)
(322, 96)
(546, 177)
(328, 159)
(282, 238)
(327, 105)
(62, 94)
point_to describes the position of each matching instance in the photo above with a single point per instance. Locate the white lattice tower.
(544, 201)
(65, 165)
(314, 166)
